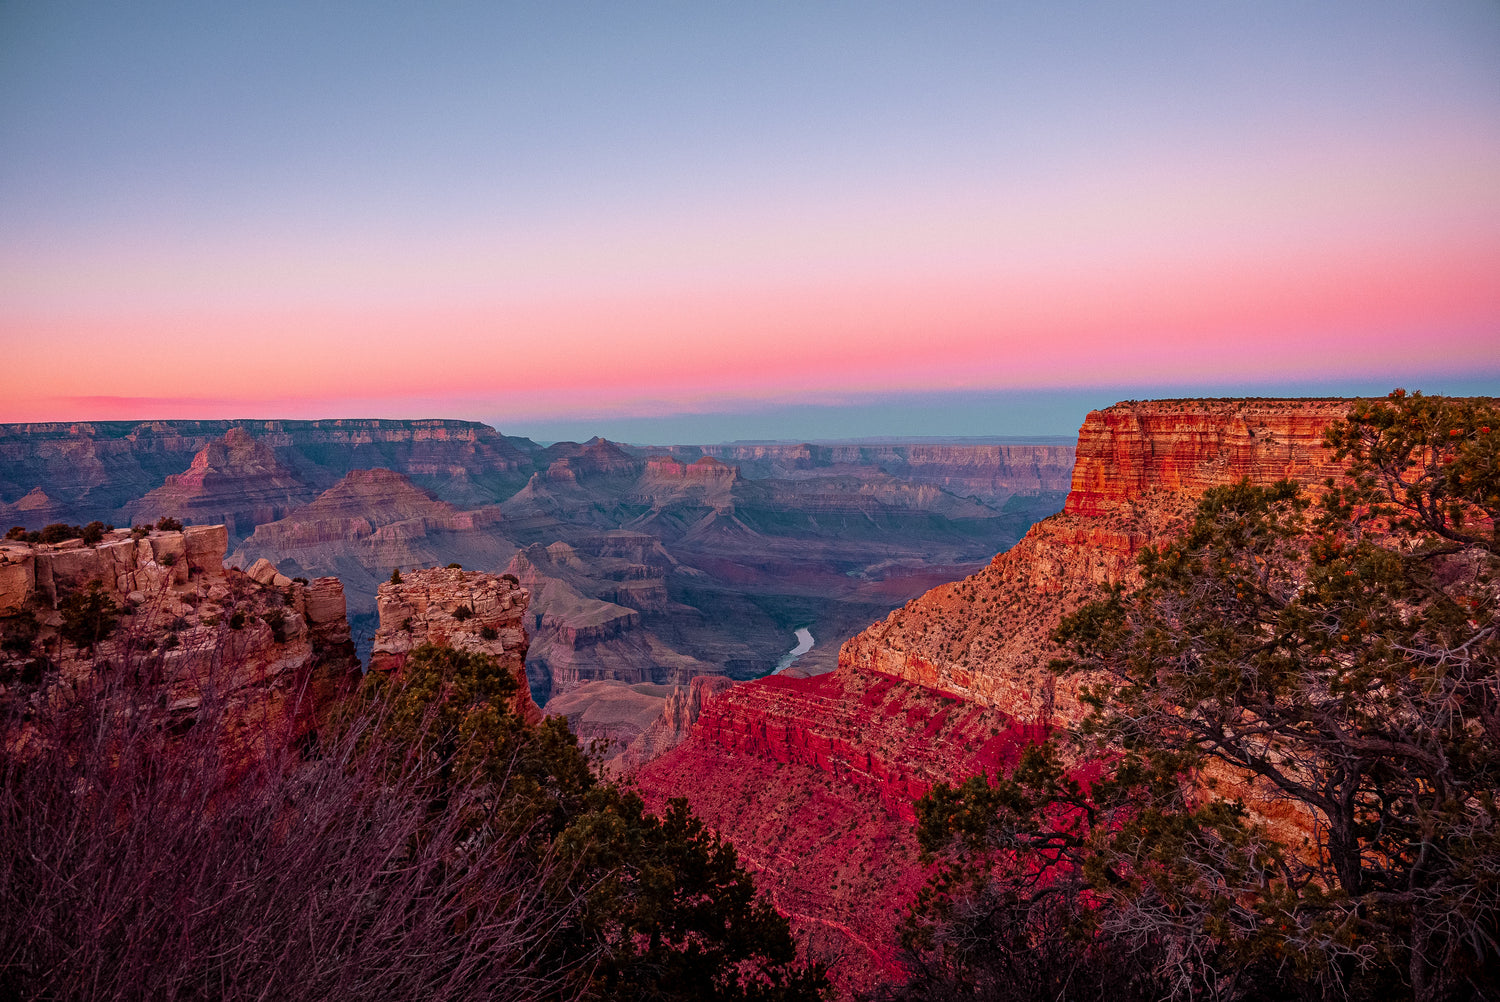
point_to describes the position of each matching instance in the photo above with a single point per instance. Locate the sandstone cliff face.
(956, 680)
(425, 607)
(271, 654)
(1141, 467)
(235, 480)
(1188, 446)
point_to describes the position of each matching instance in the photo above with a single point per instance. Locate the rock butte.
(806, 776)
(424, 608)
(236, 479)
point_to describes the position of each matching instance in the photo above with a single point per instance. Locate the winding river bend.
(804, 644)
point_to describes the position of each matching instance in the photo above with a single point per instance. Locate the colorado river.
(804, 644)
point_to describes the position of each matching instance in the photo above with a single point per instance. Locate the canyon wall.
(272, 654)
(990, 471)
(814, 780)
(1187, 446)
(235, 480)
(94, 469)
(371, 522)
(1141, 468)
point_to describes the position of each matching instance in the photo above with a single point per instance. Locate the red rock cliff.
(1132, 449)
(1140, 468)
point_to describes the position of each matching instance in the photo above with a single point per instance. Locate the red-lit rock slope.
(814, 780)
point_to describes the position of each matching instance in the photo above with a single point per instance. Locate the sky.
(708, 221)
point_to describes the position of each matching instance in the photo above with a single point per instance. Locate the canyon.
(645, 593)
(646, 565)
(814, 779)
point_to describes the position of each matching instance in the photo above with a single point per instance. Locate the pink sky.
(1329, 232)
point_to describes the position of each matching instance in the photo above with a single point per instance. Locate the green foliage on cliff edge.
(1286, 784)
(660, 907)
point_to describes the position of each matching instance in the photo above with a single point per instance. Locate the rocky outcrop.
(1187, 446)
(235, 480)
(678, 713)
(598, 457)
(466, 610)
(272, 656)
(124, 563)
(1141, 467)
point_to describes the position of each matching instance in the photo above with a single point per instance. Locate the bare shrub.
(141, 860)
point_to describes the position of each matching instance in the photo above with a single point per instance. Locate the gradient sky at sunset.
(726, 218)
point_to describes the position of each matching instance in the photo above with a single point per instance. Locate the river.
(804, 644)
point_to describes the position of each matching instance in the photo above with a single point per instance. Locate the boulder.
(17, 581)
(170, 551)
(205, 546)
(262, 571)
(325, 601)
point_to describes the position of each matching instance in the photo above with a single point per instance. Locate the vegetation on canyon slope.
(1287, 783)
(433, 845)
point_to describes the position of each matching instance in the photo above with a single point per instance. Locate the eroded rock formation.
(1141, 468)
(236, 480)
(270, 653)
(371, 522)
(466, 610)
(95, 469)
(805, 775)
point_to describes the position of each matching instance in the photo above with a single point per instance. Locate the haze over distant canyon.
(646, 566)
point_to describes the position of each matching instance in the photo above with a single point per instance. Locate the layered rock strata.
(955, 681)
(990, 471)
(95, 469)
(814, 782)
(270, 654)
(673, 723)
(371, 522)
(467, 610)
(1130, 450)
(588, 610)
(1141, 468)
(235, 480)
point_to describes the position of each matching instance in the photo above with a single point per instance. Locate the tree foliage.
(1288, 773)
(663, 909)
(89, 615)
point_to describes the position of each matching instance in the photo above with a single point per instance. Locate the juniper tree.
(1330, 660)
